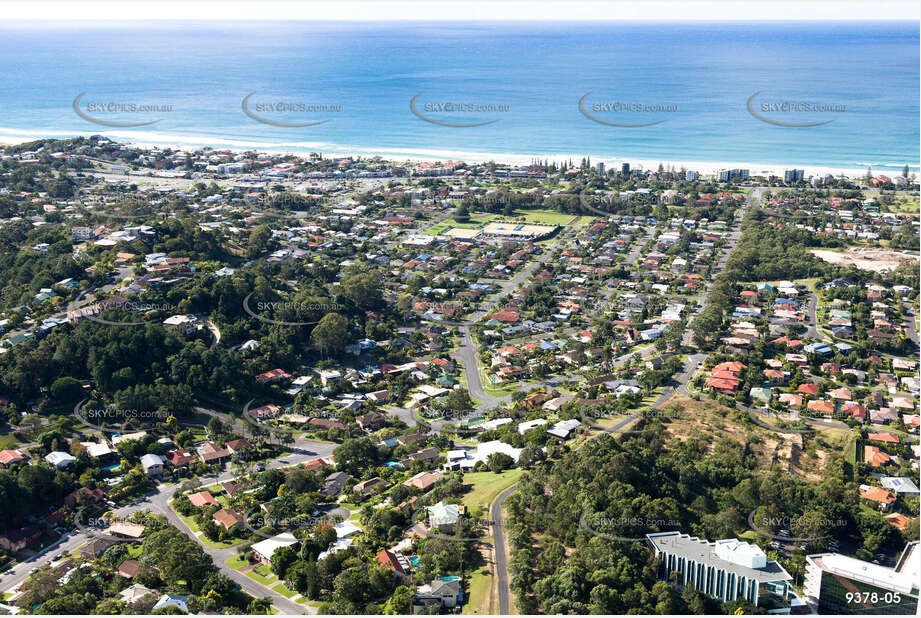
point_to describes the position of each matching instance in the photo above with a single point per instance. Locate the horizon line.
(358, 11)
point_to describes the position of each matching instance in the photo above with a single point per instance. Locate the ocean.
(812, 95)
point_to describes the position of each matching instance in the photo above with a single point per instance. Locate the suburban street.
(679, 385)
(158, 502)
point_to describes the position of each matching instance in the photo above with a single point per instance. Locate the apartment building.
(837, 584)
(728, 569)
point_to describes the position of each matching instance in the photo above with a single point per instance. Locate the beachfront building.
(837, 584)
(728, 569)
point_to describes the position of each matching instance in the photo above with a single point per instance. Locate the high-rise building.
(690, 175)
(599, 168)
(791, 176)
(727, 175)
(625, 169)
(728, 569)
(837, 584)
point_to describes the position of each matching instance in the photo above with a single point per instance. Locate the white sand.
(412, 155)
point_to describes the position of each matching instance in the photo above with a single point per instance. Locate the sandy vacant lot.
(877, 260)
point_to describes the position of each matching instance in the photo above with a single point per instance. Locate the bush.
(499, 462)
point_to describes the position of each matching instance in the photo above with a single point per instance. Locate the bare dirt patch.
(773, 450)
(877, 260)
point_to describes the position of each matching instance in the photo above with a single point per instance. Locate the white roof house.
(740, 552)
(465, 460)
(562, 429)
(172, 600)
(137, 435)
(267, 547)
(346, 529)
(97, 449)
(135, 592)
(151, 461)
(496, 423)
(339, 545)
(529, 425)
(60, 459)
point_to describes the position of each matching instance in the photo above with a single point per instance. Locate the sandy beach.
(413, 156)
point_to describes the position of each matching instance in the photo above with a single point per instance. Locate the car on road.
(33, 571)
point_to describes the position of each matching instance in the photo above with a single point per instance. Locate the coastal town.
(251, 382)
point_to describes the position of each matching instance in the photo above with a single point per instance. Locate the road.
(498, 537)
(691, 363)
(466, 353)
(158, 501)
(811, 329)
(83, 299)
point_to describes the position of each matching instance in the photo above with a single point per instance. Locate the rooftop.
(716, 553)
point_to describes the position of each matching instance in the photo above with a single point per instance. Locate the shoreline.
(410, 155)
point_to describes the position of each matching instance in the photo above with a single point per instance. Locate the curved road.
(692, 362)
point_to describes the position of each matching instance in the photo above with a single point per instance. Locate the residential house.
(439, 594)
(882, 497)
(334, 484)
(152, 464)
(228, 518)
(263, 550)
(444, 516)
(368, 487)
(202, 499)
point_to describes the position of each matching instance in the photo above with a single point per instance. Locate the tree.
(458, 401)
(330, 333)
(282, 559)
(356, 455)
(497, 462)
(66, 389)
(258, 241)
(401, 602)
(363, 289)
(177, 557)
(261, 606)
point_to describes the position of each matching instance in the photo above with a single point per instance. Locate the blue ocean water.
(530, 77)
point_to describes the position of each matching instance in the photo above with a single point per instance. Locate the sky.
(469, 10)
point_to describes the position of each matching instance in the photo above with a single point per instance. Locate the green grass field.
(8, 440)
(479, 593)
(486, 486)
(236, 562)
(284, 591)
(478, 219)
(903, 204)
